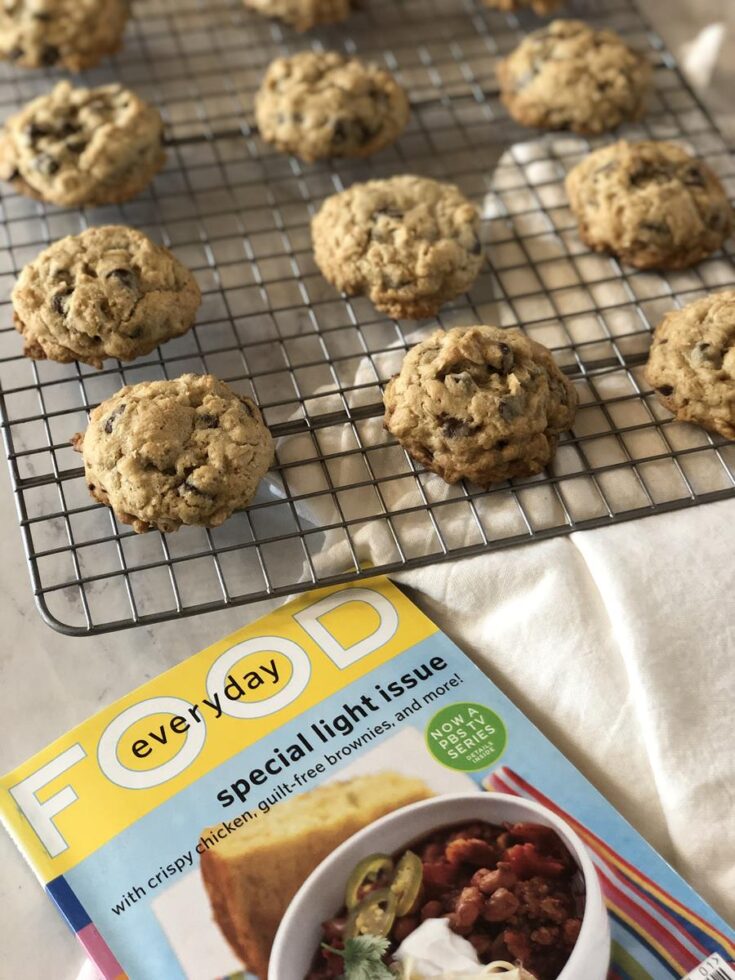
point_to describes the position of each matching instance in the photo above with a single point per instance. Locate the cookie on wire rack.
(71, 34)
(409, 243)
(480, 403)
(319, 105)
(82, 146)
(303, 15)
(541, 7)
(691, 365)
(107, 292)
(569, 75)
(650, 203)
(163, 454)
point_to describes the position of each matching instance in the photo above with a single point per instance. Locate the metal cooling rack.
(342, 491)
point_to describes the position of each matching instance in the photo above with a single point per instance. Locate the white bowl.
(322, 894)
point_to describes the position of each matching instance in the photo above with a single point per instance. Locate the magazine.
(336, 791)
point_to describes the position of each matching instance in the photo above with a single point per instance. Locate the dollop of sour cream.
(434, 952)
(433, 949)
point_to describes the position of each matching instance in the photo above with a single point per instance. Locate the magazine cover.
(335, 791)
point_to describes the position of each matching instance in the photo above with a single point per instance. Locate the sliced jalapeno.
(367, 872)
(374, 916)
(407, 882)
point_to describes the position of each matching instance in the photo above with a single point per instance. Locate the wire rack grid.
(342, 493)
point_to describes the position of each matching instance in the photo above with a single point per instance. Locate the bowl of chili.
(511, 880)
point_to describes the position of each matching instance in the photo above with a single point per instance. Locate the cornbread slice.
(252, 875)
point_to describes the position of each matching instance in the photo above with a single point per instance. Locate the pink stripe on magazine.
(100, 953)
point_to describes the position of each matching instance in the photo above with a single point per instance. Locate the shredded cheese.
(498, 968)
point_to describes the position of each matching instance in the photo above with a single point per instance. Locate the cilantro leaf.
(363, 956)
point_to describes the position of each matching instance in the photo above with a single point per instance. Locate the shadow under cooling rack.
(343, 500)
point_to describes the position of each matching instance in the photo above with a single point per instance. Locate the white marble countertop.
(49, 682)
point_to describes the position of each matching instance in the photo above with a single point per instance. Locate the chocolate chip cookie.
(108, 292)
(570, 76)
(650, 203)
(72, 34)
(322, 104)
(409, 243)
(541, 7)
(78, 146)
(692, 363)
(166, 453)
(480, 403)
(302, 15)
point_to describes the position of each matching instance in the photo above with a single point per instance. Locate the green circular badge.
(466, 736)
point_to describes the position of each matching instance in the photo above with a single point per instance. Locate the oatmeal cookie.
(81, 146)
(692, 363)
(409, 243)
(322, 104)
(302, 15)
(71, 34)
(163, 454)
(650, 203)
(541, 7)
(108, 292)
(570, 76)
(480, 403)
